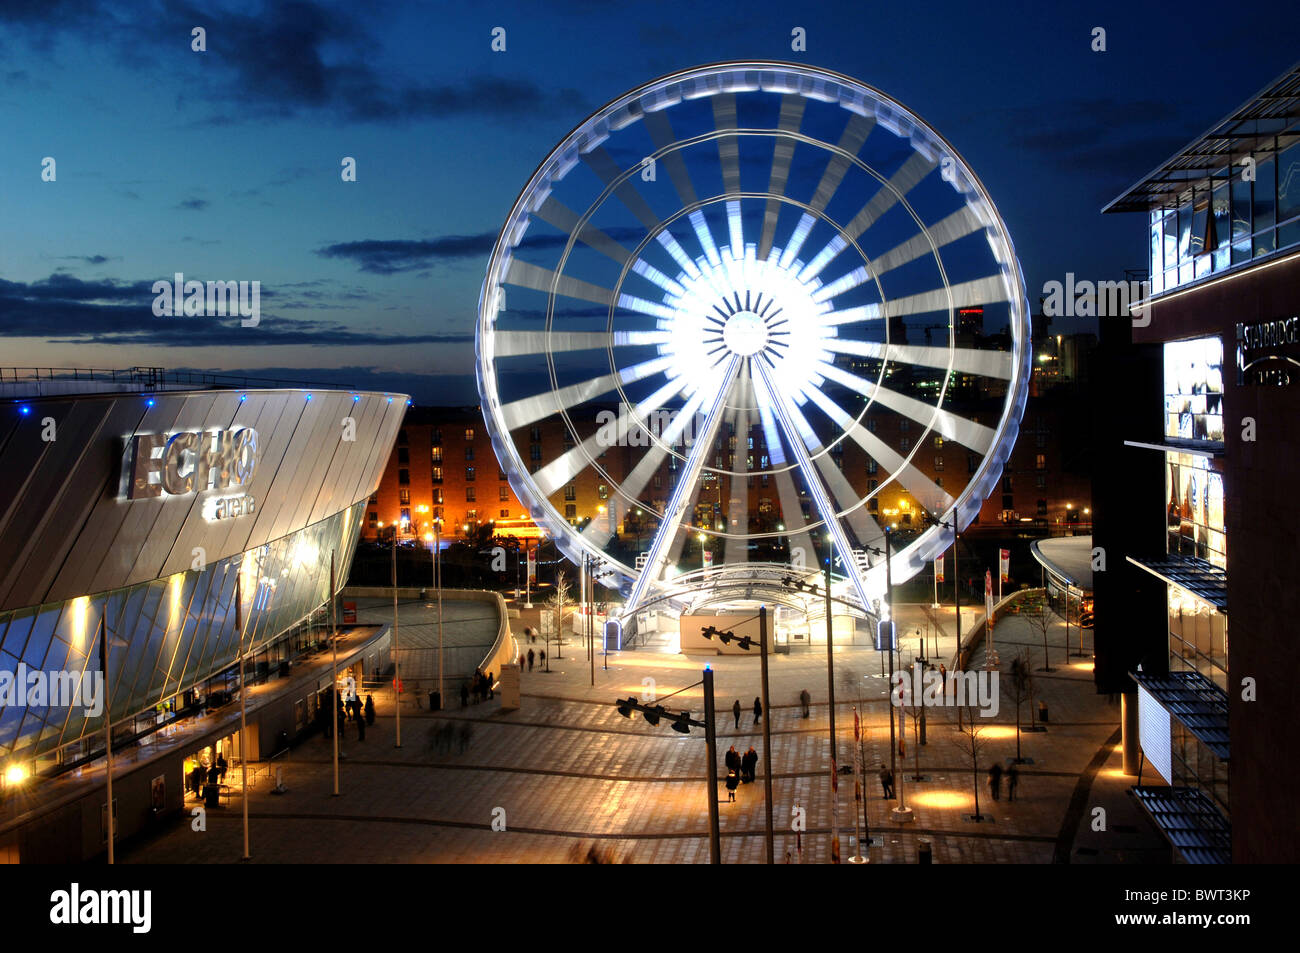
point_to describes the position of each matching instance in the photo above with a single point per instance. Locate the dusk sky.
(225, 164)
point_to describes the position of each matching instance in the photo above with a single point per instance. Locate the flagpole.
(108, 721)
(334, 685)
(243, 703)
(858, 793)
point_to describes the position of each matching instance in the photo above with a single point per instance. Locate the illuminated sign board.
(1271, 367)
(192, 461)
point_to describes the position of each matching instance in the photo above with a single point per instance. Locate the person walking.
(1013, 778)
(531, 657)
(733, 781)
(943, 678)
(886, 782)
(758, 710)
(221, 768)
(995, 779)
(805, 700)
(735, 711)
(370, 709)
(491, 688)
(541, 656)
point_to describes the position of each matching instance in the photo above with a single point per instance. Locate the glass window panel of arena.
(174, 633)
(1194, 389)
(1195, 765)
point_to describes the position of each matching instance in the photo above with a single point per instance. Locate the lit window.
(471, 494)
(570, 492)
(435, 455)
(503, 493)
(469, 433)
(404, 495)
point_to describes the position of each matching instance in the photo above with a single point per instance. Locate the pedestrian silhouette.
(531, 657)
(370, 709)
(995, 780)
(886, 782)
(758, 711)
(735, 711)
(805, 699)
(749, 765)
(733, 780)
(1013, 778)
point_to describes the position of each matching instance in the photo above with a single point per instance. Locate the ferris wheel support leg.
(820, 498)
(672, 517)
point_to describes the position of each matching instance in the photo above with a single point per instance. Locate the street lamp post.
(108, 722)
(397, 657)
(767, 736)
(711, 740)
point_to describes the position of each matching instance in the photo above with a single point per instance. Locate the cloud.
(89, 259)
(196, 205)
(70, 310)
(391, 256)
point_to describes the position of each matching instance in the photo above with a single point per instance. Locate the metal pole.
(830, 647)
(889, 647)
(334, 685)
(767, 737)
(956, 598)
(437, 572)
(243, 703)
(711, 741)
(108, 721)
(591, 628)
(397, 657)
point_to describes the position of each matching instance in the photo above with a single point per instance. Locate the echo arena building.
(128, 507)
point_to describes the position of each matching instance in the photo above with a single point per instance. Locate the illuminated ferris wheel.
(796, 301)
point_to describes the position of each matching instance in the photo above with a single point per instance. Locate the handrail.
(149, 377)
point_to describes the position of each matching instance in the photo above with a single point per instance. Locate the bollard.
(924, 854)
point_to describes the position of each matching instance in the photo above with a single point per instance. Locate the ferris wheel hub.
(745, 333)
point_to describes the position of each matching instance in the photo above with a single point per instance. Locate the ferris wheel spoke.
(556, 213)
(523, 274)
(967, 294)
(855, 134)
(529, 410)
(526, 343)
(671, 520)
(705, 236)
(783, 153)
(797, 238)
(846, 282)
(736, 512)
(965, 360)
(661, 133)
(942, 233)
(724, 117)
(900, 183)
(927, 493)
(603, 164)
(784, 409)
(950, 426)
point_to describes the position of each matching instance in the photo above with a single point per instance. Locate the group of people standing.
(214, 773)
(531, 657)
(740, 768)
(483, 687)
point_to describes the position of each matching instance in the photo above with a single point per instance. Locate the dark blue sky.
(225, 164)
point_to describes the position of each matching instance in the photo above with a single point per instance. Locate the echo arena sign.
(163, 465)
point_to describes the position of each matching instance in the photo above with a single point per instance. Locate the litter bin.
(212, 795)
(435, 701)
(1042, 711)
(924, 854)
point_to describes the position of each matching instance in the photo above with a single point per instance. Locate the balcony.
(1204, 580)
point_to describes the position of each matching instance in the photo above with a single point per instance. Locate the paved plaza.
(566, 772)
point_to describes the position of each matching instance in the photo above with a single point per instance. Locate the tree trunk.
(1018, 728)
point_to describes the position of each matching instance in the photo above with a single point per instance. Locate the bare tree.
(971, 742)
(1039, 615)
(1020, 688)
(559, 599)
